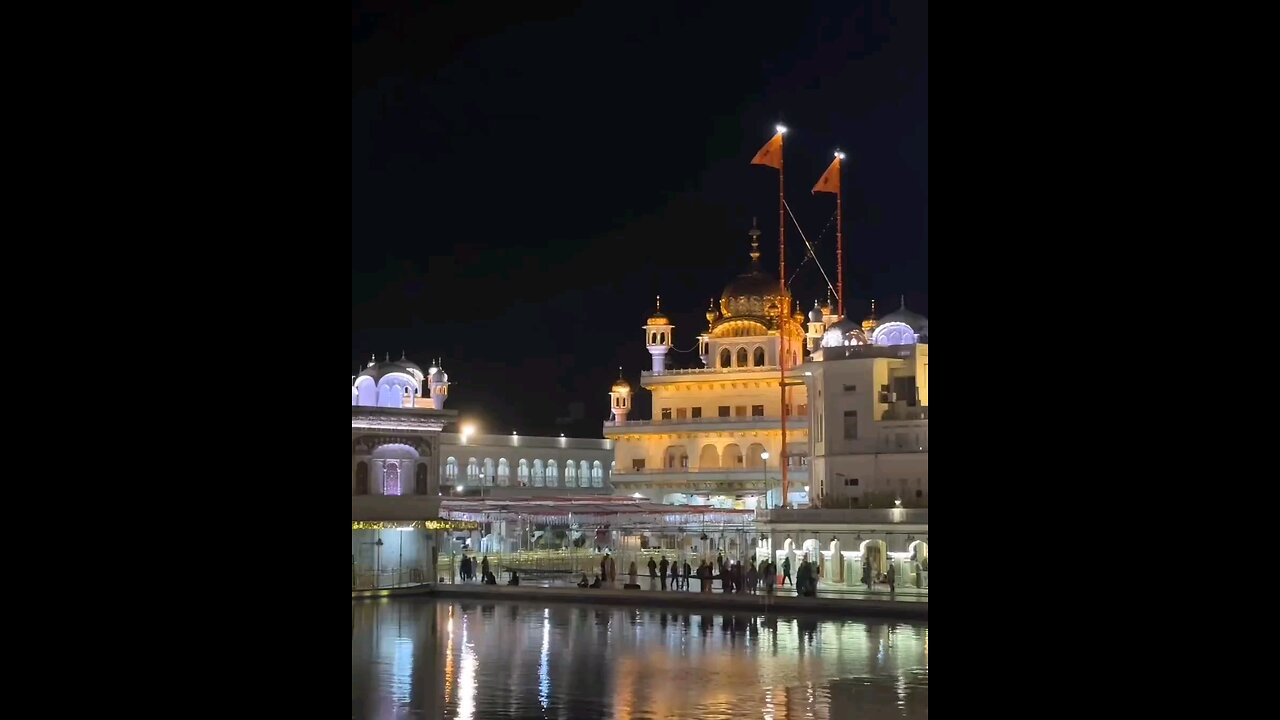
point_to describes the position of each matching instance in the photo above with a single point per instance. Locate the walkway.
(881, 592)
(711, 602)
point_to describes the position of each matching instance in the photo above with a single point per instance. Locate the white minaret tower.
(438, 382)
(816, 327)
(657, 336)
(620, 399)
(704, 340)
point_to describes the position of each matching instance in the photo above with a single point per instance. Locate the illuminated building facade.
(716, 435)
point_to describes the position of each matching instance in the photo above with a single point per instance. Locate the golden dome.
(657, 318)
(620, 385)
(752, 292)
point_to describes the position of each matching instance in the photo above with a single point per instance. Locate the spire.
(873, 309)
(388, 356)
(402, 354)
(755, 243)
(373, 360)
(902, 301)
(657, 305)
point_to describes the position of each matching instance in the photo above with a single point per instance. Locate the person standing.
(786, 571)
(687, 568)
(662, 572)
(632, 572)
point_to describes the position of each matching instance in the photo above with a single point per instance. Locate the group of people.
(467, 571)
(748, 577)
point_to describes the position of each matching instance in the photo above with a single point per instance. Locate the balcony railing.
(707, 371)
(792, 421)
(693, 473)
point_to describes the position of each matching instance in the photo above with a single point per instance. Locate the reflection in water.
(425, 659)
(544, 673)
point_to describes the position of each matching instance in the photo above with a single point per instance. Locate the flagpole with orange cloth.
(771, 155)
(830, 183)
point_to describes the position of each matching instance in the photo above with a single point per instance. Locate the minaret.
(657, 335)
(620, 399)
(438, 382)
(816, 327)
(704, 340)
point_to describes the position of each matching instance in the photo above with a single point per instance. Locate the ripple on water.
(476, 661)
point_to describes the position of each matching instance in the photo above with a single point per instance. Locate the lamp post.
(765, 457)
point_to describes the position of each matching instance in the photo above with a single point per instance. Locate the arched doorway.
(362, 478)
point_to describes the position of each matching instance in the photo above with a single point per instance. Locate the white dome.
(843, 332)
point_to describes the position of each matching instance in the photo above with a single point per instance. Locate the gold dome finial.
(755, 242)
(658, 318)
(870, 323)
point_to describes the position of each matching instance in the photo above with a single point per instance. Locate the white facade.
(870, 413)
(522, 465)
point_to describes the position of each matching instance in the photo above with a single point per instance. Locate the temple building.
(716, 434)
(405, 470)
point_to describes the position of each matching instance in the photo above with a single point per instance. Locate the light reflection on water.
(480, 660)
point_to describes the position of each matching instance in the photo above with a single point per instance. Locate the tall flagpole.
(783, 318)
(839, 236)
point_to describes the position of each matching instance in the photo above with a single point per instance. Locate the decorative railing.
(792, 420)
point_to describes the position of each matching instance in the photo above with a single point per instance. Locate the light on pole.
(765, 457)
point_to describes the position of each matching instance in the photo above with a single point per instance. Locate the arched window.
(362, 478)
(742, 357)
(724, 357)
(504, 472)
(570, 474)
(539, 474)
(420, 479)
(597, 475)
(584, 474)
(487, 478)
(552, 472)
(473, 471)
(522, 473)
(451, 468)
(758, 360)
(708, 458)
(391, 477)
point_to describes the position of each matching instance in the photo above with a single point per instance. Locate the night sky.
(522, 186)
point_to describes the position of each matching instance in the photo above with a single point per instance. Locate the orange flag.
(770, 154)
(830, 180)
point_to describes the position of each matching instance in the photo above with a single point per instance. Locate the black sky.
(522, 186)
